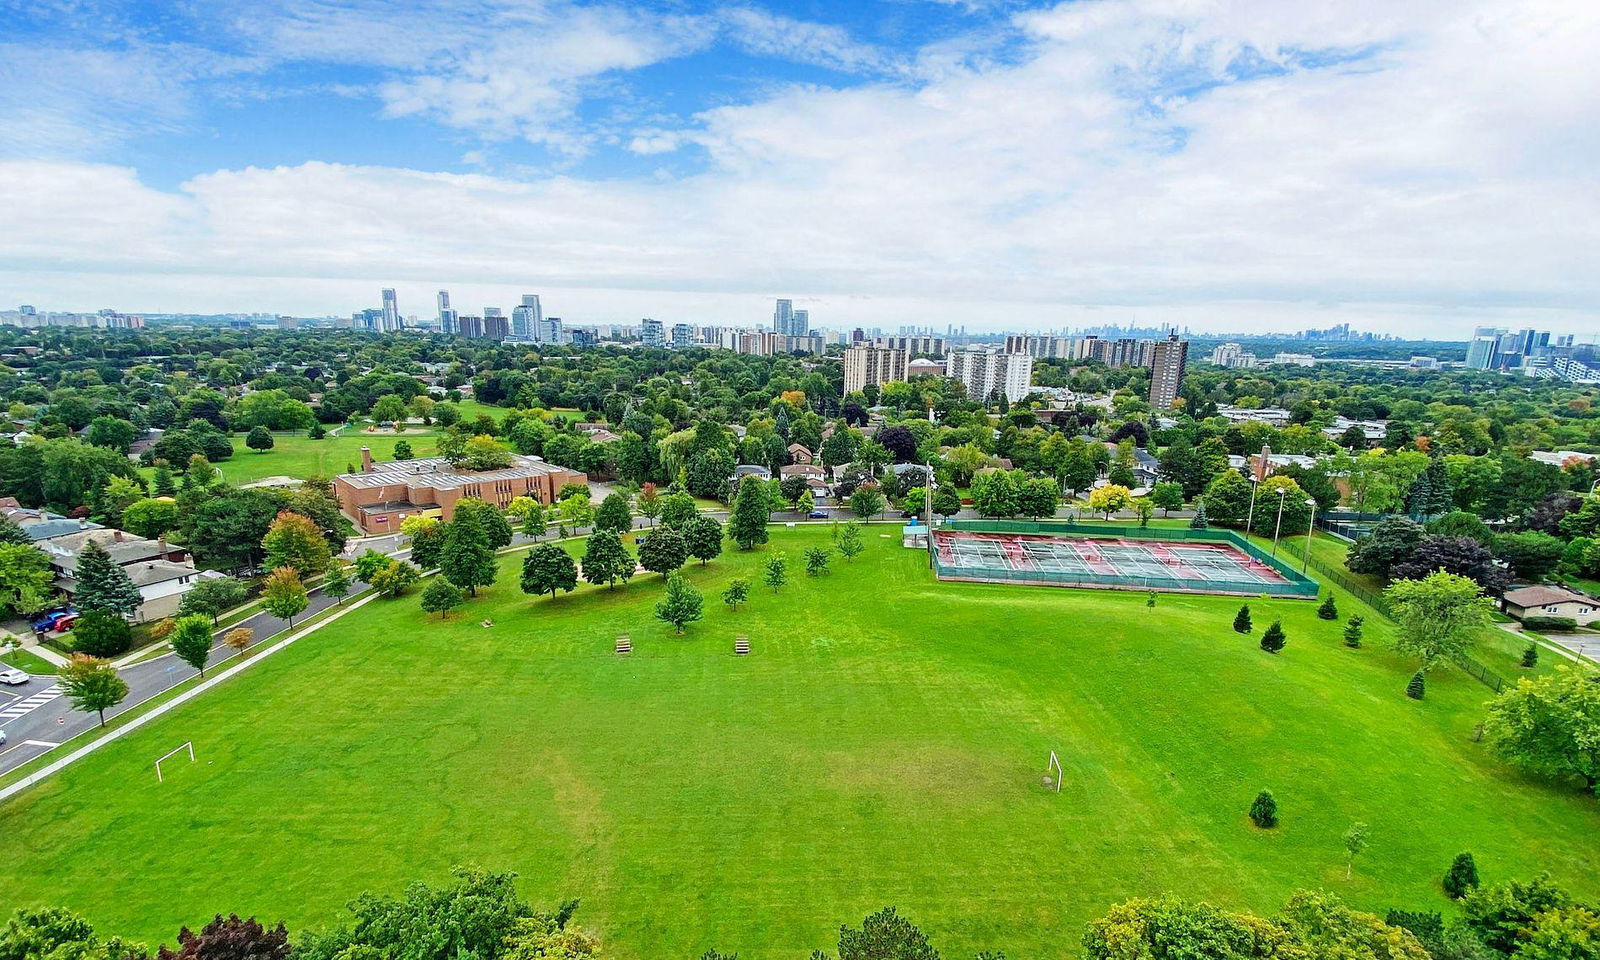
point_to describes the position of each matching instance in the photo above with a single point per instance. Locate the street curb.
(56, 766)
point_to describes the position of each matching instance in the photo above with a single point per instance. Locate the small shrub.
(1328, 610)
(1416, 688)
(1241, 620)
(1530, 656)
(1264, 810)
(1545, 624)
(1273, 639)
(1462, 877)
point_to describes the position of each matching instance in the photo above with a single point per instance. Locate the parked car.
(52, 620)
(818, 515)
(12, 678)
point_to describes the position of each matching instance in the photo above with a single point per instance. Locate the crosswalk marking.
(32, 703)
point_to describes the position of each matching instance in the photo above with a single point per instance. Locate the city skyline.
(1233, 167)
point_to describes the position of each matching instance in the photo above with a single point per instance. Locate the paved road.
(35, 723)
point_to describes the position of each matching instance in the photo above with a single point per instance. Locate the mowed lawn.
(297, 455)
(882, 744)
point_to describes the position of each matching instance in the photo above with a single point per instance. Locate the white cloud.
(1446, 179)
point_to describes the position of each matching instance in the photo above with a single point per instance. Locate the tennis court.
(1087, 561)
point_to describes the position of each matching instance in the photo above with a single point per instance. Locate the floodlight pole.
(1305, 561)
(1283, 494)
(927, 509)
(1255, 484)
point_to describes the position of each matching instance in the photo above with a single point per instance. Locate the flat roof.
(436, 472)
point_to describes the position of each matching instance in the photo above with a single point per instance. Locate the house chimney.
(116, 535)
(161, 541)
(1261, 466)
(366, 459)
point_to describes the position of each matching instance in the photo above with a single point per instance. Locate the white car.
(13, 677)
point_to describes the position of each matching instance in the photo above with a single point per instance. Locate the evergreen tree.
(1415, 688)
(102, 584)
(681, 605)
(1352, 631)
(1199, 521)
(1241, 620)
(1530, 656)
(747, 525)
(402, 450)
(1462, 877)
(606, 560)
(1264, 810)
(161, 482)
(1272, 639)
(850, 541)
(1328, 610)
(614, 514)
(816, 561)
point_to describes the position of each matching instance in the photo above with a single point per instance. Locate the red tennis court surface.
(1089, 562)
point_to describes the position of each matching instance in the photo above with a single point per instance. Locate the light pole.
(1255, 484)
(1283, 494)
(1311, 525)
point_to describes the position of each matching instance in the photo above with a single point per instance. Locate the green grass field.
(883, 744)
(296, 455)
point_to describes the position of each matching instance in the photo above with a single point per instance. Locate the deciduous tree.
(92, 684)
(440, 596)
(606, 560)
(1550, 725)
(284, 595)
(548, 568)
(191, 641)
(681, 605)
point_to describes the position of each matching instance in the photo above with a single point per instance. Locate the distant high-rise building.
(799, 324)
(495, 325)
(682, 336)
(527, 319)
(988, 373)
(651, 333)
(913, 344)
(783, 316)
(864, 364)
(1167, 364)
(391, 311)
(1483, 350)
(447, 316)
(470, 327)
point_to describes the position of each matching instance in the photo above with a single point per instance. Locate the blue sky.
(1234, 164)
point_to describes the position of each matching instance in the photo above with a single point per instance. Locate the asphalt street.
(35, 723)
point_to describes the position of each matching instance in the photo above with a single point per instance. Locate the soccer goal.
(189, 746)
(1053, 774)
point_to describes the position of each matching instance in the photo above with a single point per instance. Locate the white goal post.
(1054, 766)
(189, 746)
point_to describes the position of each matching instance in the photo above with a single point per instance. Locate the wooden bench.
(624, 645)
(741, 646)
